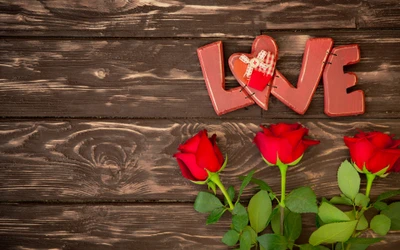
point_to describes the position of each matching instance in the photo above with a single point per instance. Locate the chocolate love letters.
(319, 60)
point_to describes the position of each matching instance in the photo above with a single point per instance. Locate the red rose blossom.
(375, 150)
(283, 140)
(198, 154)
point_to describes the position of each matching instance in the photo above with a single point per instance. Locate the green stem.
(370, 179)
(282, 210)
(283, 169)
(214, 177)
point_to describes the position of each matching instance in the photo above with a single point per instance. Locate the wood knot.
(102, 73)
(20, 18)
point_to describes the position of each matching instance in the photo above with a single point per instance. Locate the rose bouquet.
(283, 145)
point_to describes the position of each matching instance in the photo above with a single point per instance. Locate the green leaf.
(360, 243)
(215, 215)
(302, 200)
(350, 214)
(245, 182)
(380, 205)
(339, 246)
(311, 247)
(382, 173)
(272, 242)
(361, 200)
(329, 213)
(261, 184)
(318, 221)
(239, 209)
(276, 219)
(212, 186)
(259, 209)
(349, 180)
(230, 238)
(240, 218)
(231, 193)
(392, 211)
(245, 240)
(362, 223)
(341, 200)
(292, 226)
(295, 162)
(253, 234)
(206, 202)
(224, 165)
(387, 195)
(333, 232)
(380, 224)
(267, 162)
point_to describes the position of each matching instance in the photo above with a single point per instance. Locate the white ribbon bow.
(264, 62)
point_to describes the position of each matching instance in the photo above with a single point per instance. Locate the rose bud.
(283, 140)
(198, 155)
(375, 152)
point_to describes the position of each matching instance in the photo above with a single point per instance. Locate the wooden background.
(96, 96)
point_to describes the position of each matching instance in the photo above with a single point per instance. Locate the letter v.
(212, 64)
(298, 99)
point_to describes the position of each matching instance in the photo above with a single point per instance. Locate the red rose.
(375, 150)
(198, 154)
(283, 140)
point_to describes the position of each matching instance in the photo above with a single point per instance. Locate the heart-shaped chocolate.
(239, 67)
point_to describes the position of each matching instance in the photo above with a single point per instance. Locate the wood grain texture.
(138, 18)
(172, 226)
(162, 78)
(104, 78)
(172, 18)
(84, 161)
(378, 14)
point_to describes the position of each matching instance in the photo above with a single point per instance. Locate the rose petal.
(361, 134)
(280, 128)
(190, 146)
(381, 159)
(395, 144)
(217, 151)
(396, 166)
(309, 142)
(380, 140)
(266, 130)
(294, 136)
(302, 147)
(270, 147)
(360, 150)
(189, 168)
(350, 140)
(205, 155)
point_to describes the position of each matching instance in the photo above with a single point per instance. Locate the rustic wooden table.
(96, 96)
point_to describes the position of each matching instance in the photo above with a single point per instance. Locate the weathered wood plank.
(83, 160)
(378, 14)
(105, 78)
(181, 18)
(162, 78)
(162, 226)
